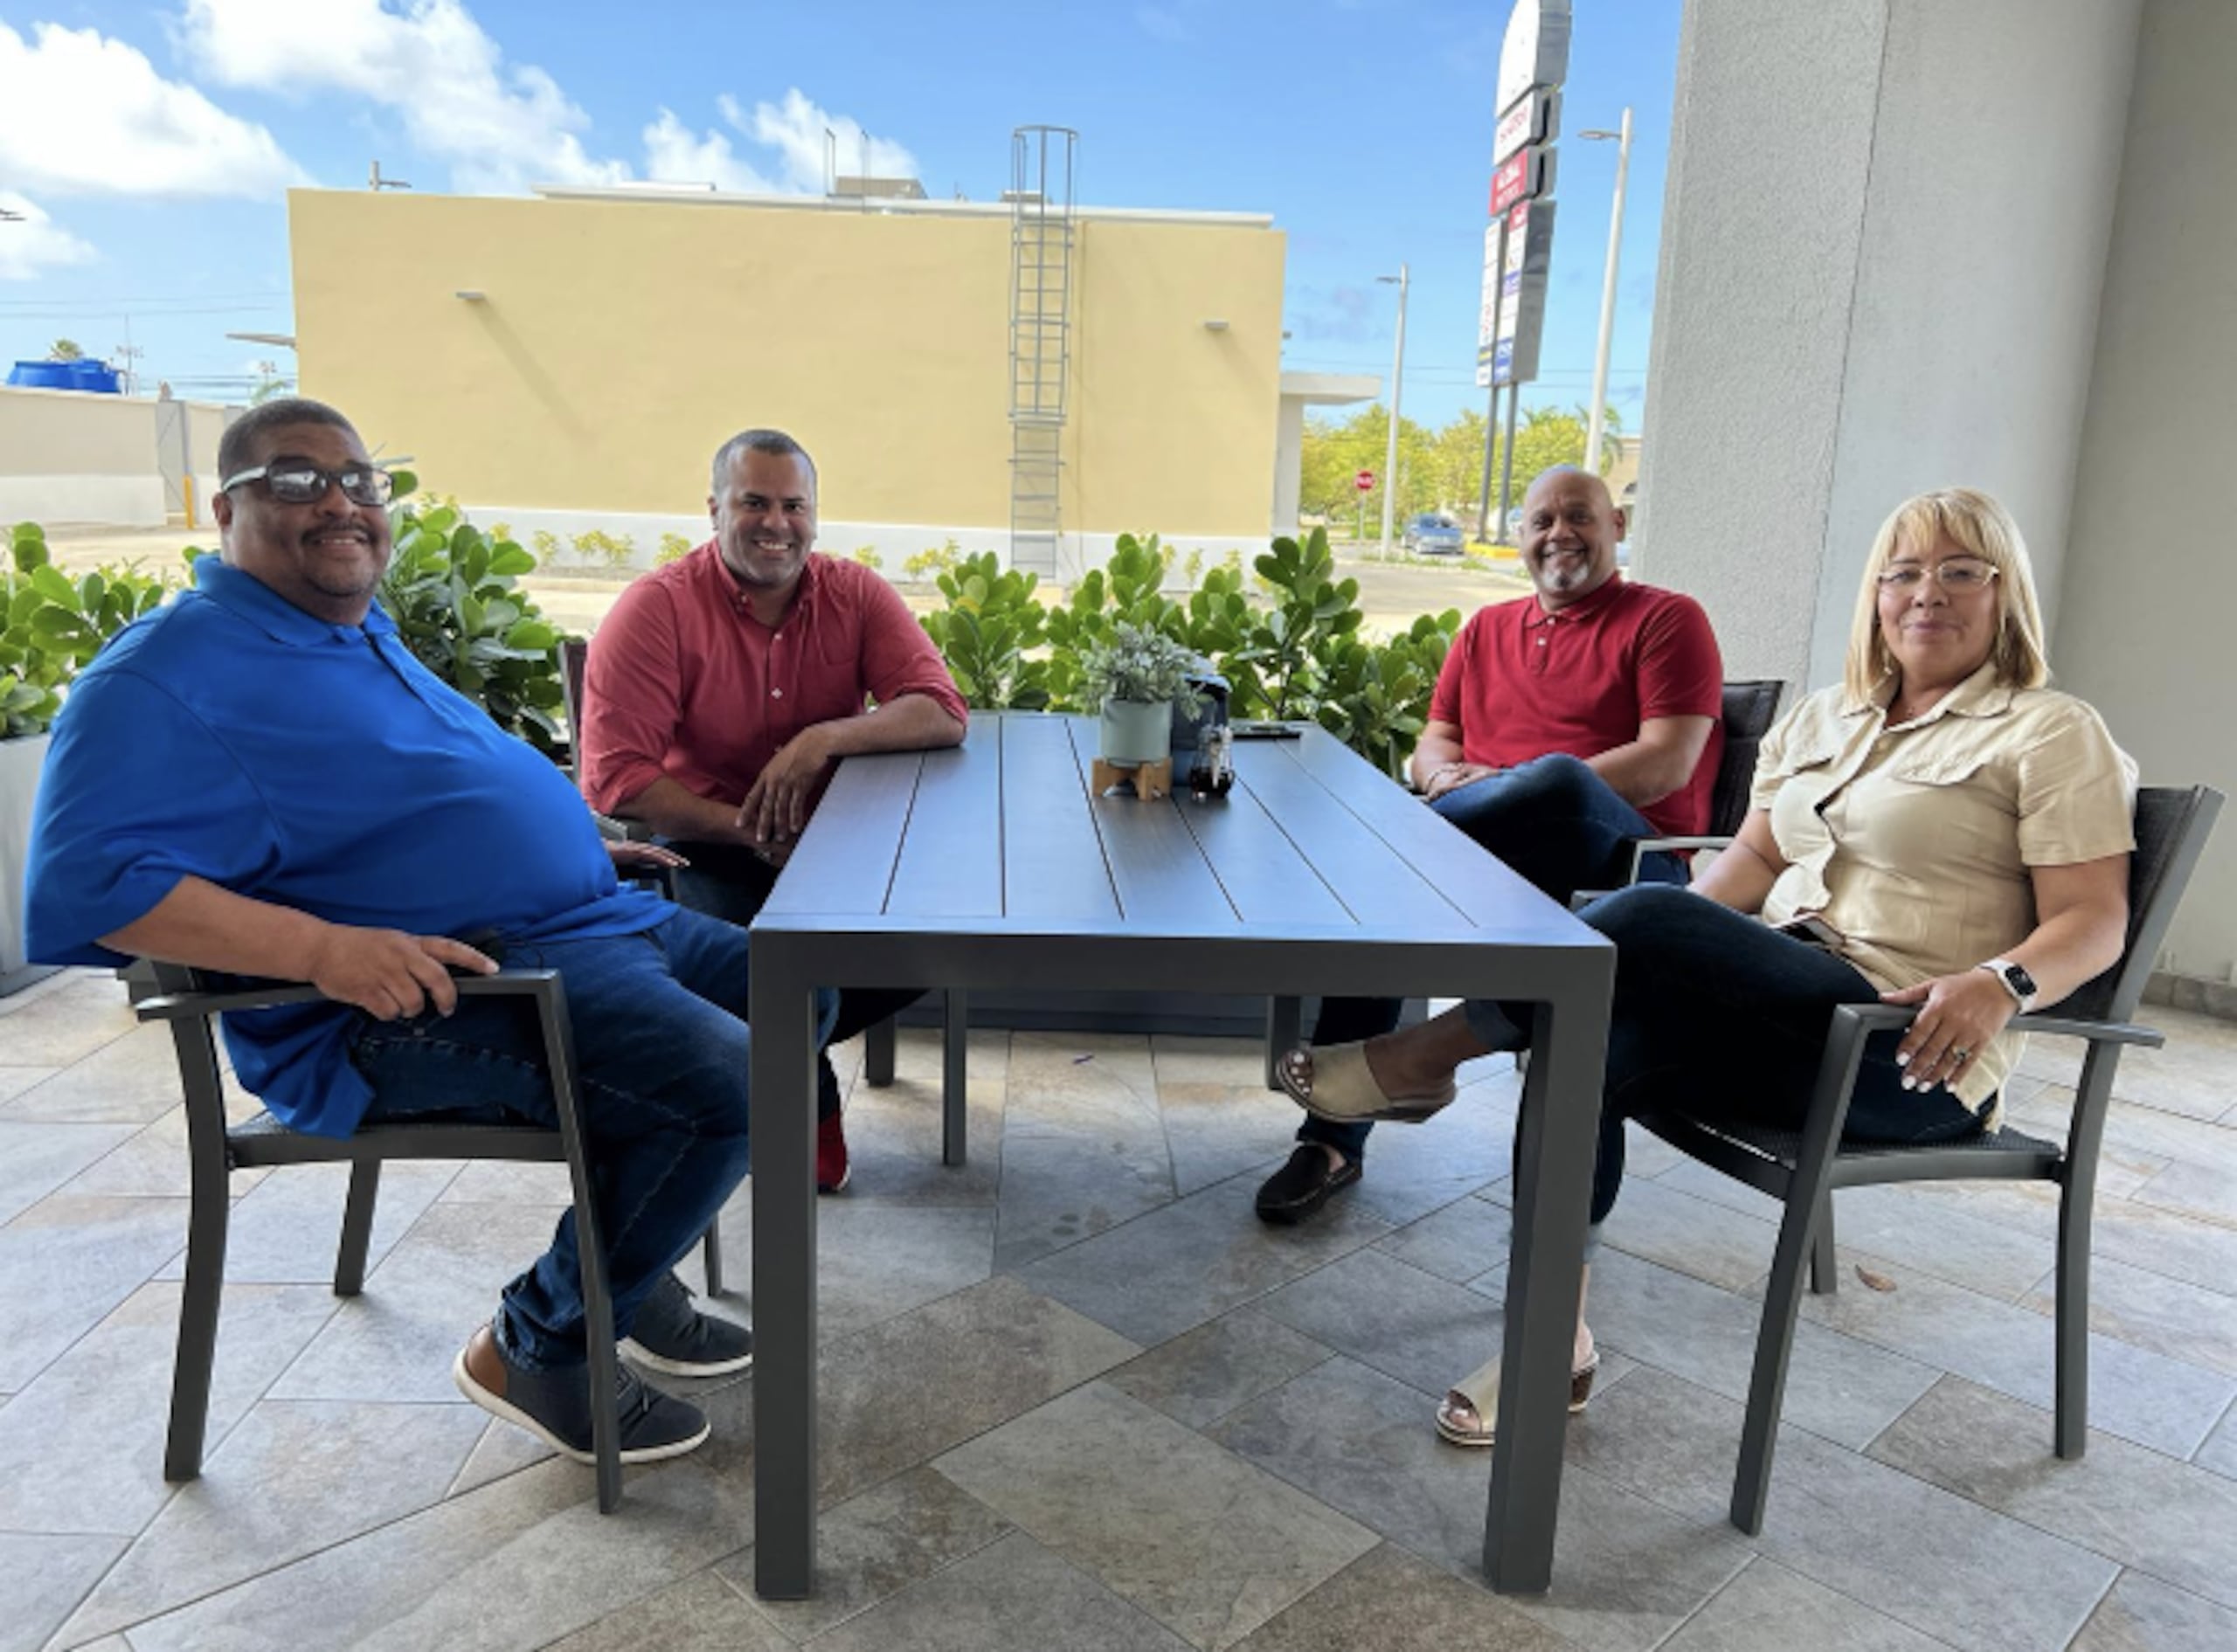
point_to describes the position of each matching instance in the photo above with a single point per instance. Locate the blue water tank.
(41, 375)
(96, 377)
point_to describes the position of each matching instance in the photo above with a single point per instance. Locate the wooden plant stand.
(1149, 780)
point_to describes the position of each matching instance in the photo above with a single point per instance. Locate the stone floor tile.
(129, 1080)
(1215, 1131)
(2220, 1451)
(287, 1228)
(1233, 1062)
(1083, 1146)
(1012, 1596)
(1944, 1238)
(1966, 1575)
(2140, 1395)
(1460, 1242)
(512, 1566)
(2199, 1253)
(1203, 1542)
(15, 1080)
(2149, 1131)
(2144, 1616)
(501, 1181)
(2121, 1166)
(1426, 1332)
(702, 1613)
(2182, 1321)
(1626, 1572)
(1838, 1387)
(65, 1019)
(81, 1449)
(35, 1160)
(1713, 1242)
(894, 1142)
(1203, 1374)
(1767, 1608)
(42, 1579)
(67, 1261)
(1193, 1260)
(502, 1450)
(872, 1547)
(1414, 1168)
(1393, 1602)
(2205, 1191)
(897, 1394)
(292, 1477)
(2146, 1510)
(396, 1342)
(151, 1163)
(876, 1261)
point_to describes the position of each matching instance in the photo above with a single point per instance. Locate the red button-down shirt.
(1521, 683)
(684, 680)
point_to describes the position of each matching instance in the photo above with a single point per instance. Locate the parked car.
(1429, 535)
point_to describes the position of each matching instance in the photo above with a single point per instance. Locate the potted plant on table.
(1132, 679)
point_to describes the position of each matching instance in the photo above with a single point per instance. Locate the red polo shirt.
(1521, 683)
(684, 680)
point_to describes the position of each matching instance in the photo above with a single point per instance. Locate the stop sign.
(1364, 481)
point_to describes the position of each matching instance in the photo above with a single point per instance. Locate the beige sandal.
(1477, 1394)
(1338, 1085)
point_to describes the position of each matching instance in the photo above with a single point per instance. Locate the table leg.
(877, 1054)
(1285, 1032)
(783, 1014)
(955, 1087)
(1559, 1131)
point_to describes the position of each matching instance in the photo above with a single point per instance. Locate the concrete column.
(1289, 452)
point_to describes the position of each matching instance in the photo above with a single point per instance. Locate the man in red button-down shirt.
(1564, 725)
(723, 688)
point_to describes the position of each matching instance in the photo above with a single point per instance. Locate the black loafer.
(1304, 1185)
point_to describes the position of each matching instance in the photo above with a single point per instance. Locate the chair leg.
(712, 1245)
(955, 1089)
(357, 1226)
(877, 1054)
(207, 1222)
(2070, 1428)
(1751, 1483)
(1285, 1031)
(1824, 1273)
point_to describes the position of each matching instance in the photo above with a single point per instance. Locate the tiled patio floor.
(1077, 1397)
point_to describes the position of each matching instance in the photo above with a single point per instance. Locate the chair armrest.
(1642, 847)
(2097, 1031)
(272, 995)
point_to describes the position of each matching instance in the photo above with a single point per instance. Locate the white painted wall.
(69, 456)
(1884, 235)
(2151, 586)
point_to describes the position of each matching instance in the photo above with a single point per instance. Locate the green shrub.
(673, 547)
(597, 546)
(933, 560)
(867, 555)
(991, 621)
(52, 625)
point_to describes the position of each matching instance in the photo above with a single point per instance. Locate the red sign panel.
(1524, 175)
(1364, 481)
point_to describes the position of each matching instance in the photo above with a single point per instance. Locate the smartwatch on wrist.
(2016, 981)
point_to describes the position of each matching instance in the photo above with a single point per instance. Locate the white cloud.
(81, 114)
(795, 129)
(501, 126)
(673, 154)
(30, 242)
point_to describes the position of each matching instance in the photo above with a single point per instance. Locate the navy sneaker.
(555, 1405)
(672, 1337)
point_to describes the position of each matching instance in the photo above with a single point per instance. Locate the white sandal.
(1479, 1393)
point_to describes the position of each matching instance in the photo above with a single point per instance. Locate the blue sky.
(148, 147)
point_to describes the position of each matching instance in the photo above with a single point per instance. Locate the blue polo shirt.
(229, 736)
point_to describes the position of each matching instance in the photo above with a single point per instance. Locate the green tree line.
(1438, 469)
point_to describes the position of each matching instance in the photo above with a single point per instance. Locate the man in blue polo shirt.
(259, 779)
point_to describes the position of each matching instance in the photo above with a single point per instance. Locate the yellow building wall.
(618, 343)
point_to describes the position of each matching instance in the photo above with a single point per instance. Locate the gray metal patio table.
(991, 866)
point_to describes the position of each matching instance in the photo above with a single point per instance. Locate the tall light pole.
(1398, 377)
(1596, 424)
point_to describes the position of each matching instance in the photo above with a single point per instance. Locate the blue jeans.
(1722, 1020)
(1553, 821)
(660, 1034)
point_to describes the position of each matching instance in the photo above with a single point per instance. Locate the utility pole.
(1596, 424)
(1397, 378)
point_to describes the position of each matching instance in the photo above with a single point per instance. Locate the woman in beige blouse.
(1940, 831)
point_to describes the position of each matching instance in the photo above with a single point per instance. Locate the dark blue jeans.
(1556, 823)
(1722, 1020)
(659, 1033)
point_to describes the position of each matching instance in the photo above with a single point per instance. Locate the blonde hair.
(1983, 528)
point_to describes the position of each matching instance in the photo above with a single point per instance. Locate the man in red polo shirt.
(723, 688)
(1564, 725)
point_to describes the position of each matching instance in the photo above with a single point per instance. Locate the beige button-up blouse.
(1913, 841)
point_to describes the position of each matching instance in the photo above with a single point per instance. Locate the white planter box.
(19, 765)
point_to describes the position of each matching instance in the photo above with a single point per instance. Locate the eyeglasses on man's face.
(1956, 576)
(297, 481)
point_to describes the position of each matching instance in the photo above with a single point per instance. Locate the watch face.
(2022, 983)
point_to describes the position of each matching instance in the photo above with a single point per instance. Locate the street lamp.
(1398, 377)
(1596, 426)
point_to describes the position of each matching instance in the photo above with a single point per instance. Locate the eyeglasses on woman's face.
(1958, 576)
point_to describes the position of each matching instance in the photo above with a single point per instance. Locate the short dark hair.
(757, 441)
(237, 448)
